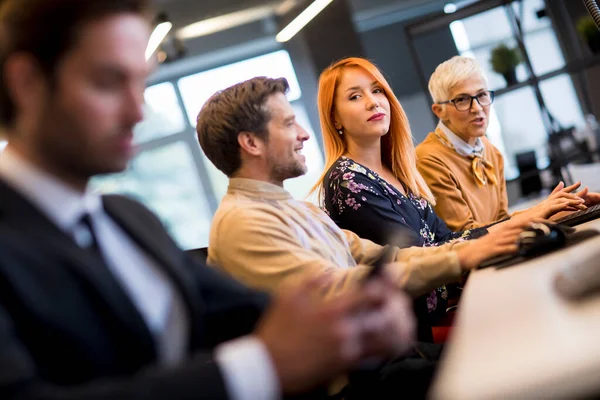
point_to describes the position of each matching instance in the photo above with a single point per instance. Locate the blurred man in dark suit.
(96, 300)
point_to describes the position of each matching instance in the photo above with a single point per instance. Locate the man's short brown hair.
(47, 30)
(239, 108)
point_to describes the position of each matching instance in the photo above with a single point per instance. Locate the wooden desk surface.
(514, 337)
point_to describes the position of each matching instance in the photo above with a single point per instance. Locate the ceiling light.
(158, 35)
(301, 20)
(285, 7)
(162, 56)
(450, 8)
(223, 22)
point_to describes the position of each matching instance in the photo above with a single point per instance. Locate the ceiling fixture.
(450, 8)
(158, 35)
(223, 22)
(453, 7)
(285, 7)
(301, 20)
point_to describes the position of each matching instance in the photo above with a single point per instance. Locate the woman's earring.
(341, 132)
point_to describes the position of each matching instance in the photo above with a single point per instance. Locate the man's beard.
(280, 172)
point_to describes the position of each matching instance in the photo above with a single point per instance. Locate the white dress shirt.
(247, 369)
(463, 148)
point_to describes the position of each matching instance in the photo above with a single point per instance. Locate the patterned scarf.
(483, 170)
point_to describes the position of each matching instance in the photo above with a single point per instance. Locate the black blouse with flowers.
(359, 200)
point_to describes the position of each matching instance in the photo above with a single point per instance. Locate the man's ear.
(439, 111)
(251, 144)
(24, 81)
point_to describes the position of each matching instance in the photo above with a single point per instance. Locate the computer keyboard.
(508, 260)
(581, 216)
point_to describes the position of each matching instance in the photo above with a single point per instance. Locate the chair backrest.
(199, 254)
(529, 180)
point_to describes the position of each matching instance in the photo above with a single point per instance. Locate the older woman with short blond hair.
(463, 169)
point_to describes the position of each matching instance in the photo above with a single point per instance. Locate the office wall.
(417, 108)
(387, 46)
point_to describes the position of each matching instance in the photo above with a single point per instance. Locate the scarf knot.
(482, 169)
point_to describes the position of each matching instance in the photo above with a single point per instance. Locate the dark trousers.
(406, 377)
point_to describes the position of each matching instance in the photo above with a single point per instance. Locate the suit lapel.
(36, 229)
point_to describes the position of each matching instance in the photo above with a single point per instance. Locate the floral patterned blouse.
(359, 200)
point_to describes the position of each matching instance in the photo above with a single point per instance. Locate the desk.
(515, 338)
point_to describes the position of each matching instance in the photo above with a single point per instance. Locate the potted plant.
(586, 27)
(504, 61)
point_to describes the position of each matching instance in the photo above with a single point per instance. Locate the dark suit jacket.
(69, 331)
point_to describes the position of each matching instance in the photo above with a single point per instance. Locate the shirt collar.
(258, 189)
(62, 204)
(463, 148)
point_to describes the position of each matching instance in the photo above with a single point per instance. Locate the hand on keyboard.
(560, 200)
(591, 198)
(592, 201)
(579, 217)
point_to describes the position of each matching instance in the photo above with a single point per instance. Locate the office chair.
(199, 254)
(529, 174)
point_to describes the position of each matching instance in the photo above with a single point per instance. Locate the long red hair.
(397, 147)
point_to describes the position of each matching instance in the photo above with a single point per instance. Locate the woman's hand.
(560, 200)
(501, 240)
(590, 199)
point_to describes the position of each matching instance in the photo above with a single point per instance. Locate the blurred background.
(541, 57)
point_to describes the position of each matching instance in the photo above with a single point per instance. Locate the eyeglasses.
(464, 101)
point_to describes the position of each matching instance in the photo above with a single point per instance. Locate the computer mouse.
(540, 238)
(580, 277)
